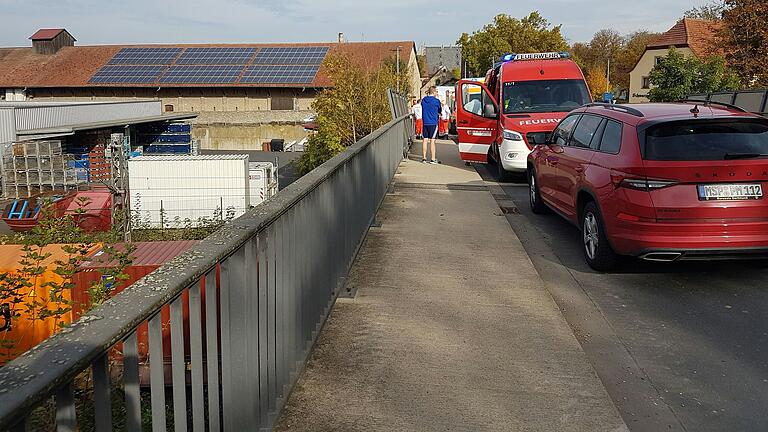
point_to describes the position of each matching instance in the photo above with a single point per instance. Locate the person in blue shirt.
(430, 114)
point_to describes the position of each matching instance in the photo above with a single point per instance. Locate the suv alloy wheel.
(598, 253)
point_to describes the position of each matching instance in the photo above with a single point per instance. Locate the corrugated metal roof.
(10, 255)
(69, 130)
(146, 254)
(191, 158)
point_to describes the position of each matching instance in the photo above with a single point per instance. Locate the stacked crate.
(166, 138)
(91, 148)
(32, 168)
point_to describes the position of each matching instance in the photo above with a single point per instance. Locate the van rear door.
(477, 119)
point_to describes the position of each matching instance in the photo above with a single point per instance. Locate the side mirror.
(489, 110)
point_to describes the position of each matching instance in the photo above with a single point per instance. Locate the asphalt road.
(679, 347)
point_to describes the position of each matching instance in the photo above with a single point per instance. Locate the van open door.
(477, 119)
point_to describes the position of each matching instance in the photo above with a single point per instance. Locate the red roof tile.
(73, 66)
(698, 35)
(46, 34)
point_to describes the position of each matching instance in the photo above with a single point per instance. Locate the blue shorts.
(430, 131)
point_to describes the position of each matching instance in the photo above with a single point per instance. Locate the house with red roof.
(244, 93)
(691, 37)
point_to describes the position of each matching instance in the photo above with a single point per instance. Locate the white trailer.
(179, 191)
(263, 181)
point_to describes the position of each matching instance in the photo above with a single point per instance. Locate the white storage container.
(263, 181)
(179, 191)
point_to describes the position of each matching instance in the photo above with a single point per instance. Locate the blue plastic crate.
(78, 164)
(167, 149)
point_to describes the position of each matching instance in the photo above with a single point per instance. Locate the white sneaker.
(434, 162)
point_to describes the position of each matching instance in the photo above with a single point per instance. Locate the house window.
(646, 82)
(169, 108)
(658, 59)
(281, 103)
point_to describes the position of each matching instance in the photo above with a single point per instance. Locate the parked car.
(661, 182)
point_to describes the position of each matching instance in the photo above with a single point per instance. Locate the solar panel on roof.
(216, 56)
(127, 74)
(202, 74)
(291, 56)
(145, 56)
(279, 74)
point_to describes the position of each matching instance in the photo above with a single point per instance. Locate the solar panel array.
(127, 74)
(202, 74)
(282, 74)
(216, 56)
(291, 56)
(145, 56)
(213, 65)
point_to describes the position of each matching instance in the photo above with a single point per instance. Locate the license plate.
(730, 192)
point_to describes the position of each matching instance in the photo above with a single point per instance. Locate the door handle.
(464, 122)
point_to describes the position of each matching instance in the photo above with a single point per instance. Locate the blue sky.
(424, 21)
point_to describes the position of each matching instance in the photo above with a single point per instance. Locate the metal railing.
(754, 101)
(399, 105)
(242, 311)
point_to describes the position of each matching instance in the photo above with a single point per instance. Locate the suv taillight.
(639, 183)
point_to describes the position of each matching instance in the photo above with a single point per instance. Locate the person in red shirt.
(416, 110)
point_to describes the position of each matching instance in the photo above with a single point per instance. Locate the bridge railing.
(754, 101)
(242, 311)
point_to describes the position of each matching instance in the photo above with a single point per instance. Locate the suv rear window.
(700, 140)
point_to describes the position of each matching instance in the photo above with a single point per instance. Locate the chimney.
(50, 41)
(341, 37)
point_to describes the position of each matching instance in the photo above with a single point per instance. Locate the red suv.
(662, 182)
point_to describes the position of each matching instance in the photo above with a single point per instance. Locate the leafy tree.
(710, 12)
(623, 52)
(355, 106)
(597, 82)
(626, 59)
(678, 76)
(507, 34)
(745, 40)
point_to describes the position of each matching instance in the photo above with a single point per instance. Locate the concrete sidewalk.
(451, 328)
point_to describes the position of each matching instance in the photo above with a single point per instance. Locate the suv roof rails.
(708, 102)
(618, 107)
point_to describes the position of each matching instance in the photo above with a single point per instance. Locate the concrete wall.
(247, 130)
(185, 99)
(243, 137)
(637, 94)
(415, 76)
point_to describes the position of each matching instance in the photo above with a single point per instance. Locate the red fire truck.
(523, 99)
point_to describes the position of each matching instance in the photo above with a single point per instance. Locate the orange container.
(147, 257)
(26, 332)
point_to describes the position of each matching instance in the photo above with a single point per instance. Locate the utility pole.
(608, 77)
(398, 68)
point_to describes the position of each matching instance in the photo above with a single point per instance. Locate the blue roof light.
(508, 57)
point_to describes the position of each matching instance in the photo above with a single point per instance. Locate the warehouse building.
(49, 148)
(244, 93)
